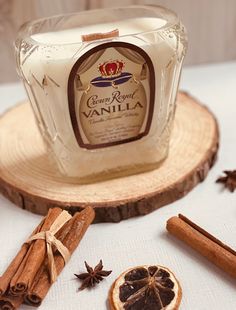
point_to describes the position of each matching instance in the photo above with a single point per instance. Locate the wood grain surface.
(29, 180)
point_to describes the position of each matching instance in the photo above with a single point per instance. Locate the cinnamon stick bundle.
(200, 240)
(77, 228)
(29, 271)
(32, 261)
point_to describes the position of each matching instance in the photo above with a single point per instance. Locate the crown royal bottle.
(102, 85)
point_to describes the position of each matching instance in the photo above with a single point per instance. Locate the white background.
(144, 240)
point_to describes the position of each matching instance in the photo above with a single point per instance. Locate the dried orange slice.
(146, 288)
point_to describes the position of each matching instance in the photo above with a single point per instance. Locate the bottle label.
(111, 91)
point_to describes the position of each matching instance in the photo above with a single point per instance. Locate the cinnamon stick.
(14, 265)
(200, 240)
(9, 302)
(32, 261)
(75, 229)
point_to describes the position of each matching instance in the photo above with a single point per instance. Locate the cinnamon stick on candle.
(68, 233)
(200, 240)
(70, 236)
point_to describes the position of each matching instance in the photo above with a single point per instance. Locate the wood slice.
(31, 182)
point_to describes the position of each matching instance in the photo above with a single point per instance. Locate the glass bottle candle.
(103, 85)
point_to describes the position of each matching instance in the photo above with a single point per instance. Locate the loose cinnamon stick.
(77, 228)
(31, 263)
(14, 265)
(200, 240)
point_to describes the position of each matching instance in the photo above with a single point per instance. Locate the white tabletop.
(144, 240)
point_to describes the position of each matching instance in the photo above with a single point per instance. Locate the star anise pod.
(229, 180)
(92, 276)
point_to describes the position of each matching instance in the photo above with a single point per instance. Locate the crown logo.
(112, 68)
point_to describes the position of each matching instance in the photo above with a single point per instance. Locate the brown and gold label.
(111, 91)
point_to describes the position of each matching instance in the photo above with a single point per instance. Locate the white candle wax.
(126, 27)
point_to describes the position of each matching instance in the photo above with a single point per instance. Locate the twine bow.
(51, 240)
